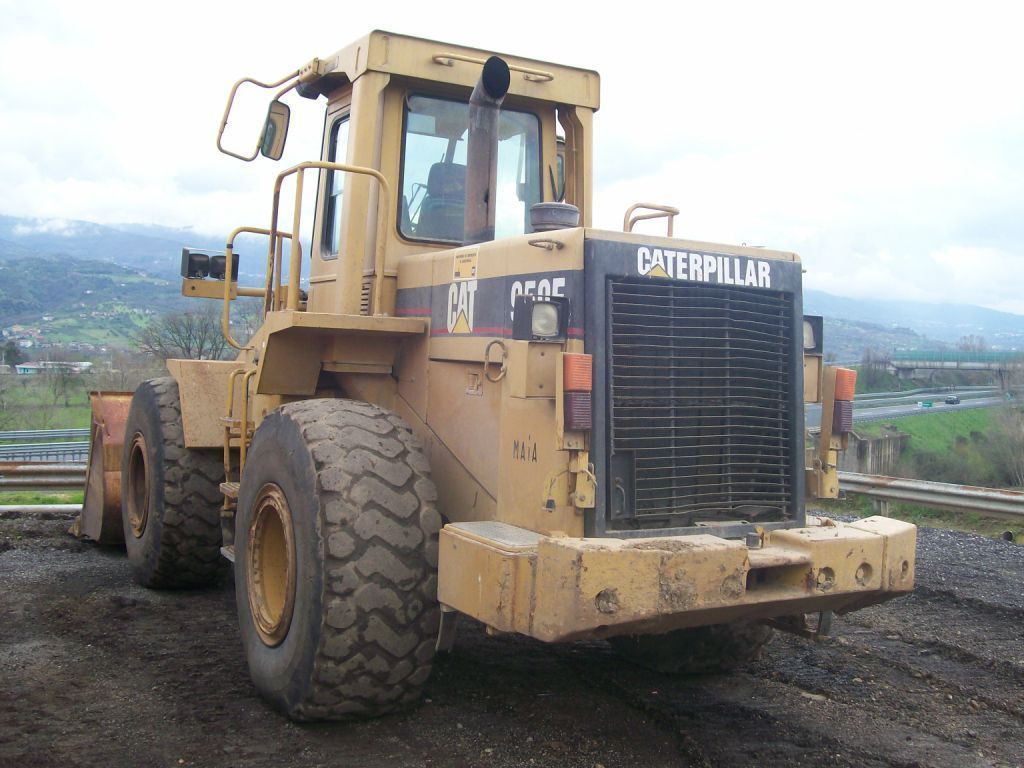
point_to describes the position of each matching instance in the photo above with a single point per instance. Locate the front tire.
(336, 561)
(170, 500)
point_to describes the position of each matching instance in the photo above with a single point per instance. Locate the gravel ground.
(97, 671)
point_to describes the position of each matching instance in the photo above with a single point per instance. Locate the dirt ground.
(95, 671)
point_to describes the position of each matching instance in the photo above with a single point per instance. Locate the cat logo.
(461, 299)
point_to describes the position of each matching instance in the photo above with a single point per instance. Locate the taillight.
(842, 414)
(578, 410)
(578, 381)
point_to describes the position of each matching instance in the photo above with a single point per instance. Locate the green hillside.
(64, 300)
(971, 446)
(935, 431)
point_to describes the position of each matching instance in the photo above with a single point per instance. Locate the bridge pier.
(904, 374)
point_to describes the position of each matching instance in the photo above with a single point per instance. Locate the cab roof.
(421, 59)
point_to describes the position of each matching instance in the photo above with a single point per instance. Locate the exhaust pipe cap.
(496, 77)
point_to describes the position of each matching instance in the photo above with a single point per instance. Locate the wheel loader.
(465, 400)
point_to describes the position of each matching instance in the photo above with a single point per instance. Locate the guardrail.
(21, 476)
(43, 434)
(992, 502)
(67, 452)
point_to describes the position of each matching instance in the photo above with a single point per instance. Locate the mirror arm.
(292, 79)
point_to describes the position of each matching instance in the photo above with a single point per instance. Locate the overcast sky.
(883, 142)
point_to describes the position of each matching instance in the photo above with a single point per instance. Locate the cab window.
(434, 170)
(337, 145)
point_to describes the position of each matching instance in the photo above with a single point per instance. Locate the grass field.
(37, 402)
(936, 431)
(36, 497)
(861, 506)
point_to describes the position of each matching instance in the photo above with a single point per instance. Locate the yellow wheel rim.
(270, 565)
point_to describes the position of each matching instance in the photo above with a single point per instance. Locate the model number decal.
(545, 286)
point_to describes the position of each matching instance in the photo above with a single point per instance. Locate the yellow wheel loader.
(463, 399)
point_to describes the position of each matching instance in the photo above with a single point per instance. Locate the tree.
(123, 372)
(11, 355)
(195, 335)
(6, 385)
(247, 318)
(1006, 444)
(972, 343)
(874, 370)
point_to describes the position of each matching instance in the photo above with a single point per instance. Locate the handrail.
(231, 100)
(447, 59)
(230, 408)
(229, 265)
(243, 441)
(660, 211)
(295, 254)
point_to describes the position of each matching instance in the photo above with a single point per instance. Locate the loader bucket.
(100, 519)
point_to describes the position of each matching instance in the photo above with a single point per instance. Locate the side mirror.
(275, 130)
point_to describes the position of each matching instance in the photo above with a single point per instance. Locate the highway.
(874, 411)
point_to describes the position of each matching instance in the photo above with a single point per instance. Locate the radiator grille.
(700, 380)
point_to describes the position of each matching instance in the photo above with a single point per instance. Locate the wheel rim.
(271, 565)
(138, 486)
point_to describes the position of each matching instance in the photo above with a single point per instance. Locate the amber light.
(846, 383)
(577, 373)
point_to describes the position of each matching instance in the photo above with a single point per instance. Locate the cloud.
(883, 143)
(60, 227)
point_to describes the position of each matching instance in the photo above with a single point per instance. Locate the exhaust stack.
(482, 151)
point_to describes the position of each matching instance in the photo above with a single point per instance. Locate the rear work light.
(578, 381)
(540, 318)
(198, 264)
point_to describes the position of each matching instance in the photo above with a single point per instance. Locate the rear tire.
(170, 495)
(700, 650)
(336, 561)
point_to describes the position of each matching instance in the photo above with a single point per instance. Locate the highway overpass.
(904, 363)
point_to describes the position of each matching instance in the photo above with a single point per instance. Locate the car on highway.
(952, 400)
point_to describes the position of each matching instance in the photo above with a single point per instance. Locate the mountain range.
(48, 267)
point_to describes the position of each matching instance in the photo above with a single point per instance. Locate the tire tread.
(191, 538)
(379, 527)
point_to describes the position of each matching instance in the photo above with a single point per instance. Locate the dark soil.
(96, 671)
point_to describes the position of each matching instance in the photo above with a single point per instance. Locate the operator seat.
(443, 207)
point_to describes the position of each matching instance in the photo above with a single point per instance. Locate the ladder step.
(228, 552)
(230, 490)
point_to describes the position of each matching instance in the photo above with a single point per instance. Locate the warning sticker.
(465, 266)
